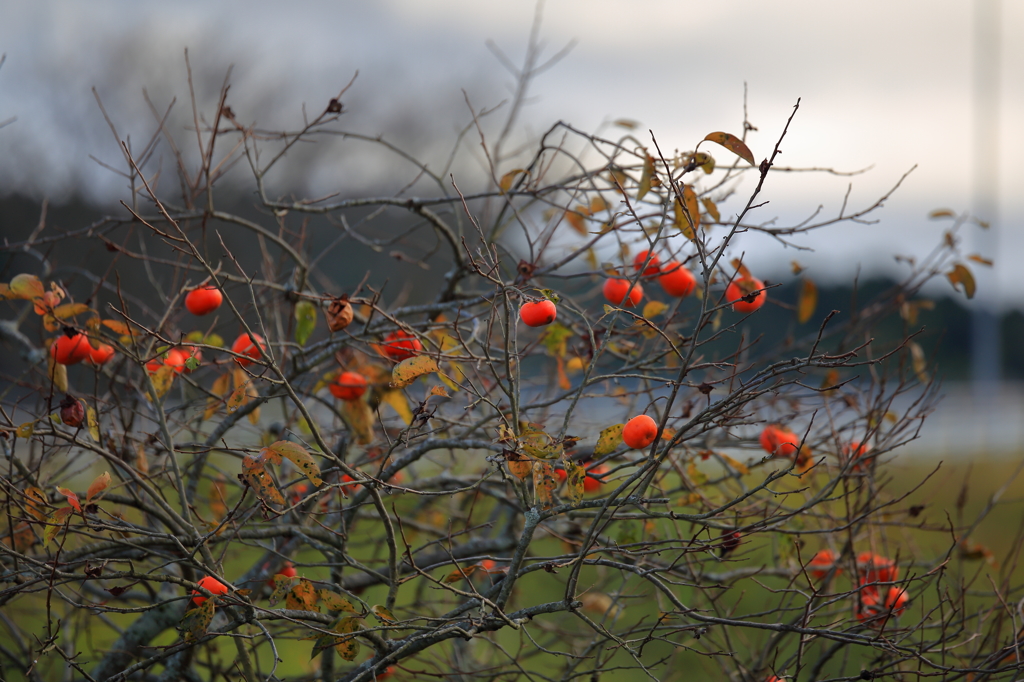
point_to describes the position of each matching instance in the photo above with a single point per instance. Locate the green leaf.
(305, 321)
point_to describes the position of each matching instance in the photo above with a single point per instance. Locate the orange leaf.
(72, 498)
(733, 144)
(959, 277)
(98, 485)
(807, 302)
(508, 179)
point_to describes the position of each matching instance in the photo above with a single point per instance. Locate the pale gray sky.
(882, 83)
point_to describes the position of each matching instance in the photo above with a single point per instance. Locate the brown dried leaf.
(961, 276)
(544, 484)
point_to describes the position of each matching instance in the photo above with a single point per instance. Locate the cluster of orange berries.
(873, 570)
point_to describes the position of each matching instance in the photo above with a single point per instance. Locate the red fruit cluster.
(877, 600)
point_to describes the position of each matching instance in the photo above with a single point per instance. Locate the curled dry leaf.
(339, 314)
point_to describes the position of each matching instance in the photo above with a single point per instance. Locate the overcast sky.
(882, 84)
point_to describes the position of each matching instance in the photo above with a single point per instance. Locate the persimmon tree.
(247, 465)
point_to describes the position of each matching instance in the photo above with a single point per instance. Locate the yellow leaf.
(92, 423)
(711, 209)
(941, 213)
(733, 144)
(69, 310)
(25, 430)
(645, 177)
(383, 614)
(574, 477)
(653, 309)
(335, 602)
(298, 456)
(692, 207)
(438, 391)
(162, 380)
(219, 498)
(807, 302)
(399, 403)
(347, 648)
(919, 361)
(688, 500)
(118, 327)
(55, 523)
(58, 374)
(220, 388)
(539, 444)
(410, 369)
(238, 397)
(360, 419)
(609, 440)
(961, 276)
(26, 287)
(680, 221)
(597, 204)
(740, 467)
(509, 178)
